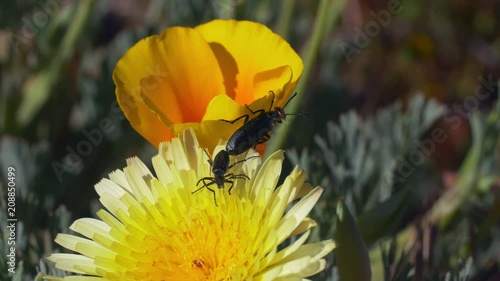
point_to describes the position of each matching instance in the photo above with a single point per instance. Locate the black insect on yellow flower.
(220, 167)
(257, 130)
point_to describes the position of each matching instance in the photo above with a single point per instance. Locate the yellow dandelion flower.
(154, 228)
(192, 77)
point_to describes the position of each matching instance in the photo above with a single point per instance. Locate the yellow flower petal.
(190, 78)
(298, 212)
(139, 62)
(176, 73)
(304, 225)
(271, 259)
(71, 262)
(245, 50)
(208, 132)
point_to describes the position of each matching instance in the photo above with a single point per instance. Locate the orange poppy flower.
(192, 77)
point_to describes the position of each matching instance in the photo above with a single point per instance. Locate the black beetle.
(256, 131)
(220, 166)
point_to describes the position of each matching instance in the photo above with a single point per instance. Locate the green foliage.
(419, 220)
(353, 263)
(400, 269)
(364, 161)
(363, 157)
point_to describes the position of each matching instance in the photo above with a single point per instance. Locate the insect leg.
(246, 116)
(198, 189)
(233, 176)
(264, 139)
(213, 191)
(254, 112)
(232, 165)
(204, 184)
(241, 176)
(231, 187)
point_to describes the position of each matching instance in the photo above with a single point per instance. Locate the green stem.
(38, 88)
(328, 13)
(226, 9)
(282, 27)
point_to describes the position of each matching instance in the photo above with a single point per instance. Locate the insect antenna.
(299, 113)
(291, 98)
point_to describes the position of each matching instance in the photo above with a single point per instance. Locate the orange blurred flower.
(192, 77)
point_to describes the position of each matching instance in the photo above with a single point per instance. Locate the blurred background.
(404, 121)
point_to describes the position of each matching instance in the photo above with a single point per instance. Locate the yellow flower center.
(206, 242)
